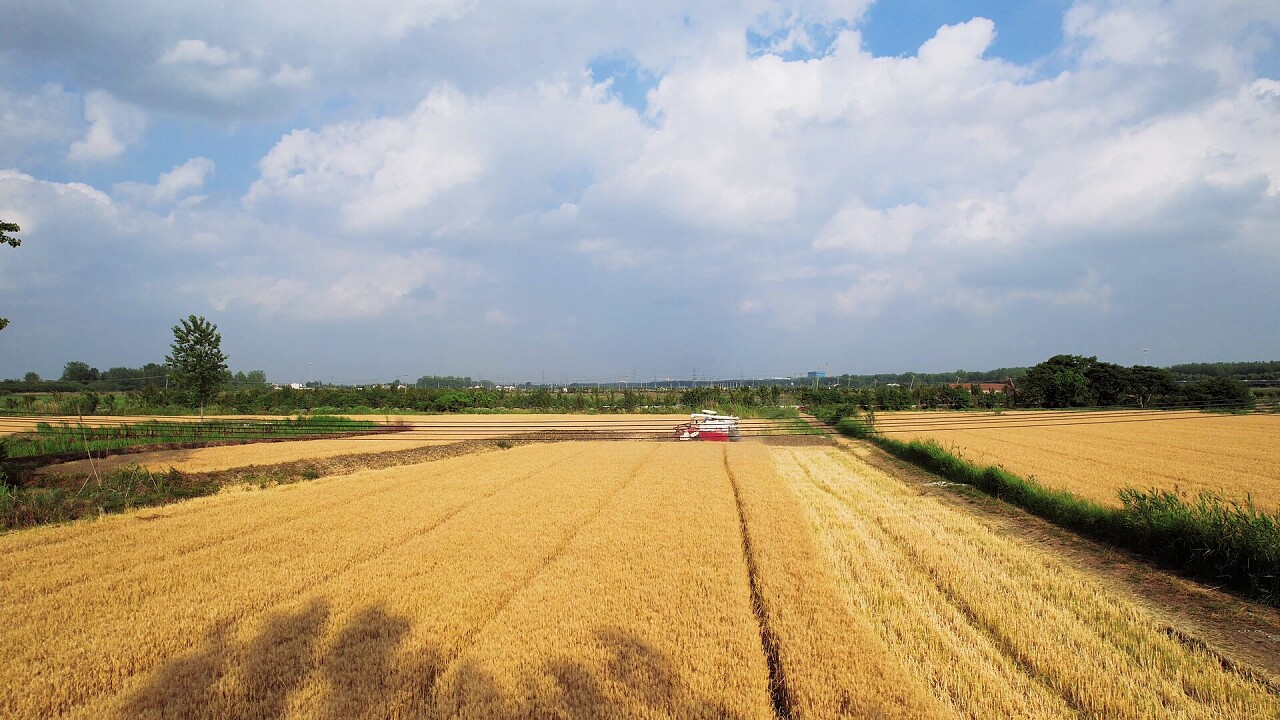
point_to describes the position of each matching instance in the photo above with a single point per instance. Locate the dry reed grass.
(995, 627)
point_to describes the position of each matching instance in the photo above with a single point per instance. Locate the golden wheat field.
(582, 579)
(1096, 454)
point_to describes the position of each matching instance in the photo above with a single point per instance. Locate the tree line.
(1062, 381)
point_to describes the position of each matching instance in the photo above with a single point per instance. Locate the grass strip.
(1229, 543)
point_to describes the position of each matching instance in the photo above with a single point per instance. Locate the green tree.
(199, 367)
(6, 238)
(1147, 384)
(31, 377)
(1109, 383)
(76, 371)
(1060, 382)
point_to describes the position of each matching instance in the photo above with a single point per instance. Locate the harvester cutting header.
(709, 425)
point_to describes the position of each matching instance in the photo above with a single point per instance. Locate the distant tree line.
(912, 379)
(1063, 381)
(1067, 381)
(1263, 370)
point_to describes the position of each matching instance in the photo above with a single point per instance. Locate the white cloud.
(395, 173)
(499, 318)
(30, 123)
(225, 77)
(198, 52)
(178, 183)
(113, 127)
(945, 184)
(871, 293)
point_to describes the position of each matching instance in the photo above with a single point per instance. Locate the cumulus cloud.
(421, 173)
(178, 183)
(778, 178)
(34, 123)
(113, 127)
(226, 78)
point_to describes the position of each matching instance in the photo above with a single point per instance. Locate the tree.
(199, 367)
(1109, 383)
(1059, 382)
(31, 377)
(76, 371)
(1146, 384)
(6, 238)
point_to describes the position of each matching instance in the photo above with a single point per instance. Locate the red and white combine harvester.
(709, 425)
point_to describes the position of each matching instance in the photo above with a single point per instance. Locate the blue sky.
(749, 188)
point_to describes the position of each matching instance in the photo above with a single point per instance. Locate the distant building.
(815, 374)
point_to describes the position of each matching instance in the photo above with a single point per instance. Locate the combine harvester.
(709, 425)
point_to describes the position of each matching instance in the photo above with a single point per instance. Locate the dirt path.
(1241, 631)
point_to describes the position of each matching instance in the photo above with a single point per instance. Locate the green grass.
(59, 438)
(1224, 542)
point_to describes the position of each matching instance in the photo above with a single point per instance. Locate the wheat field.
(580, 579)
(994, 627)
(1096, 454)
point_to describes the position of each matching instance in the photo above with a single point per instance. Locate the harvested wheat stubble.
(831, 661)
(996, 627)
(1234, 455)
(104, 605)
(359, 595)
(663, 629)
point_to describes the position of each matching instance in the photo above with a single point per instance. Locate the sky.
(574, 190)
